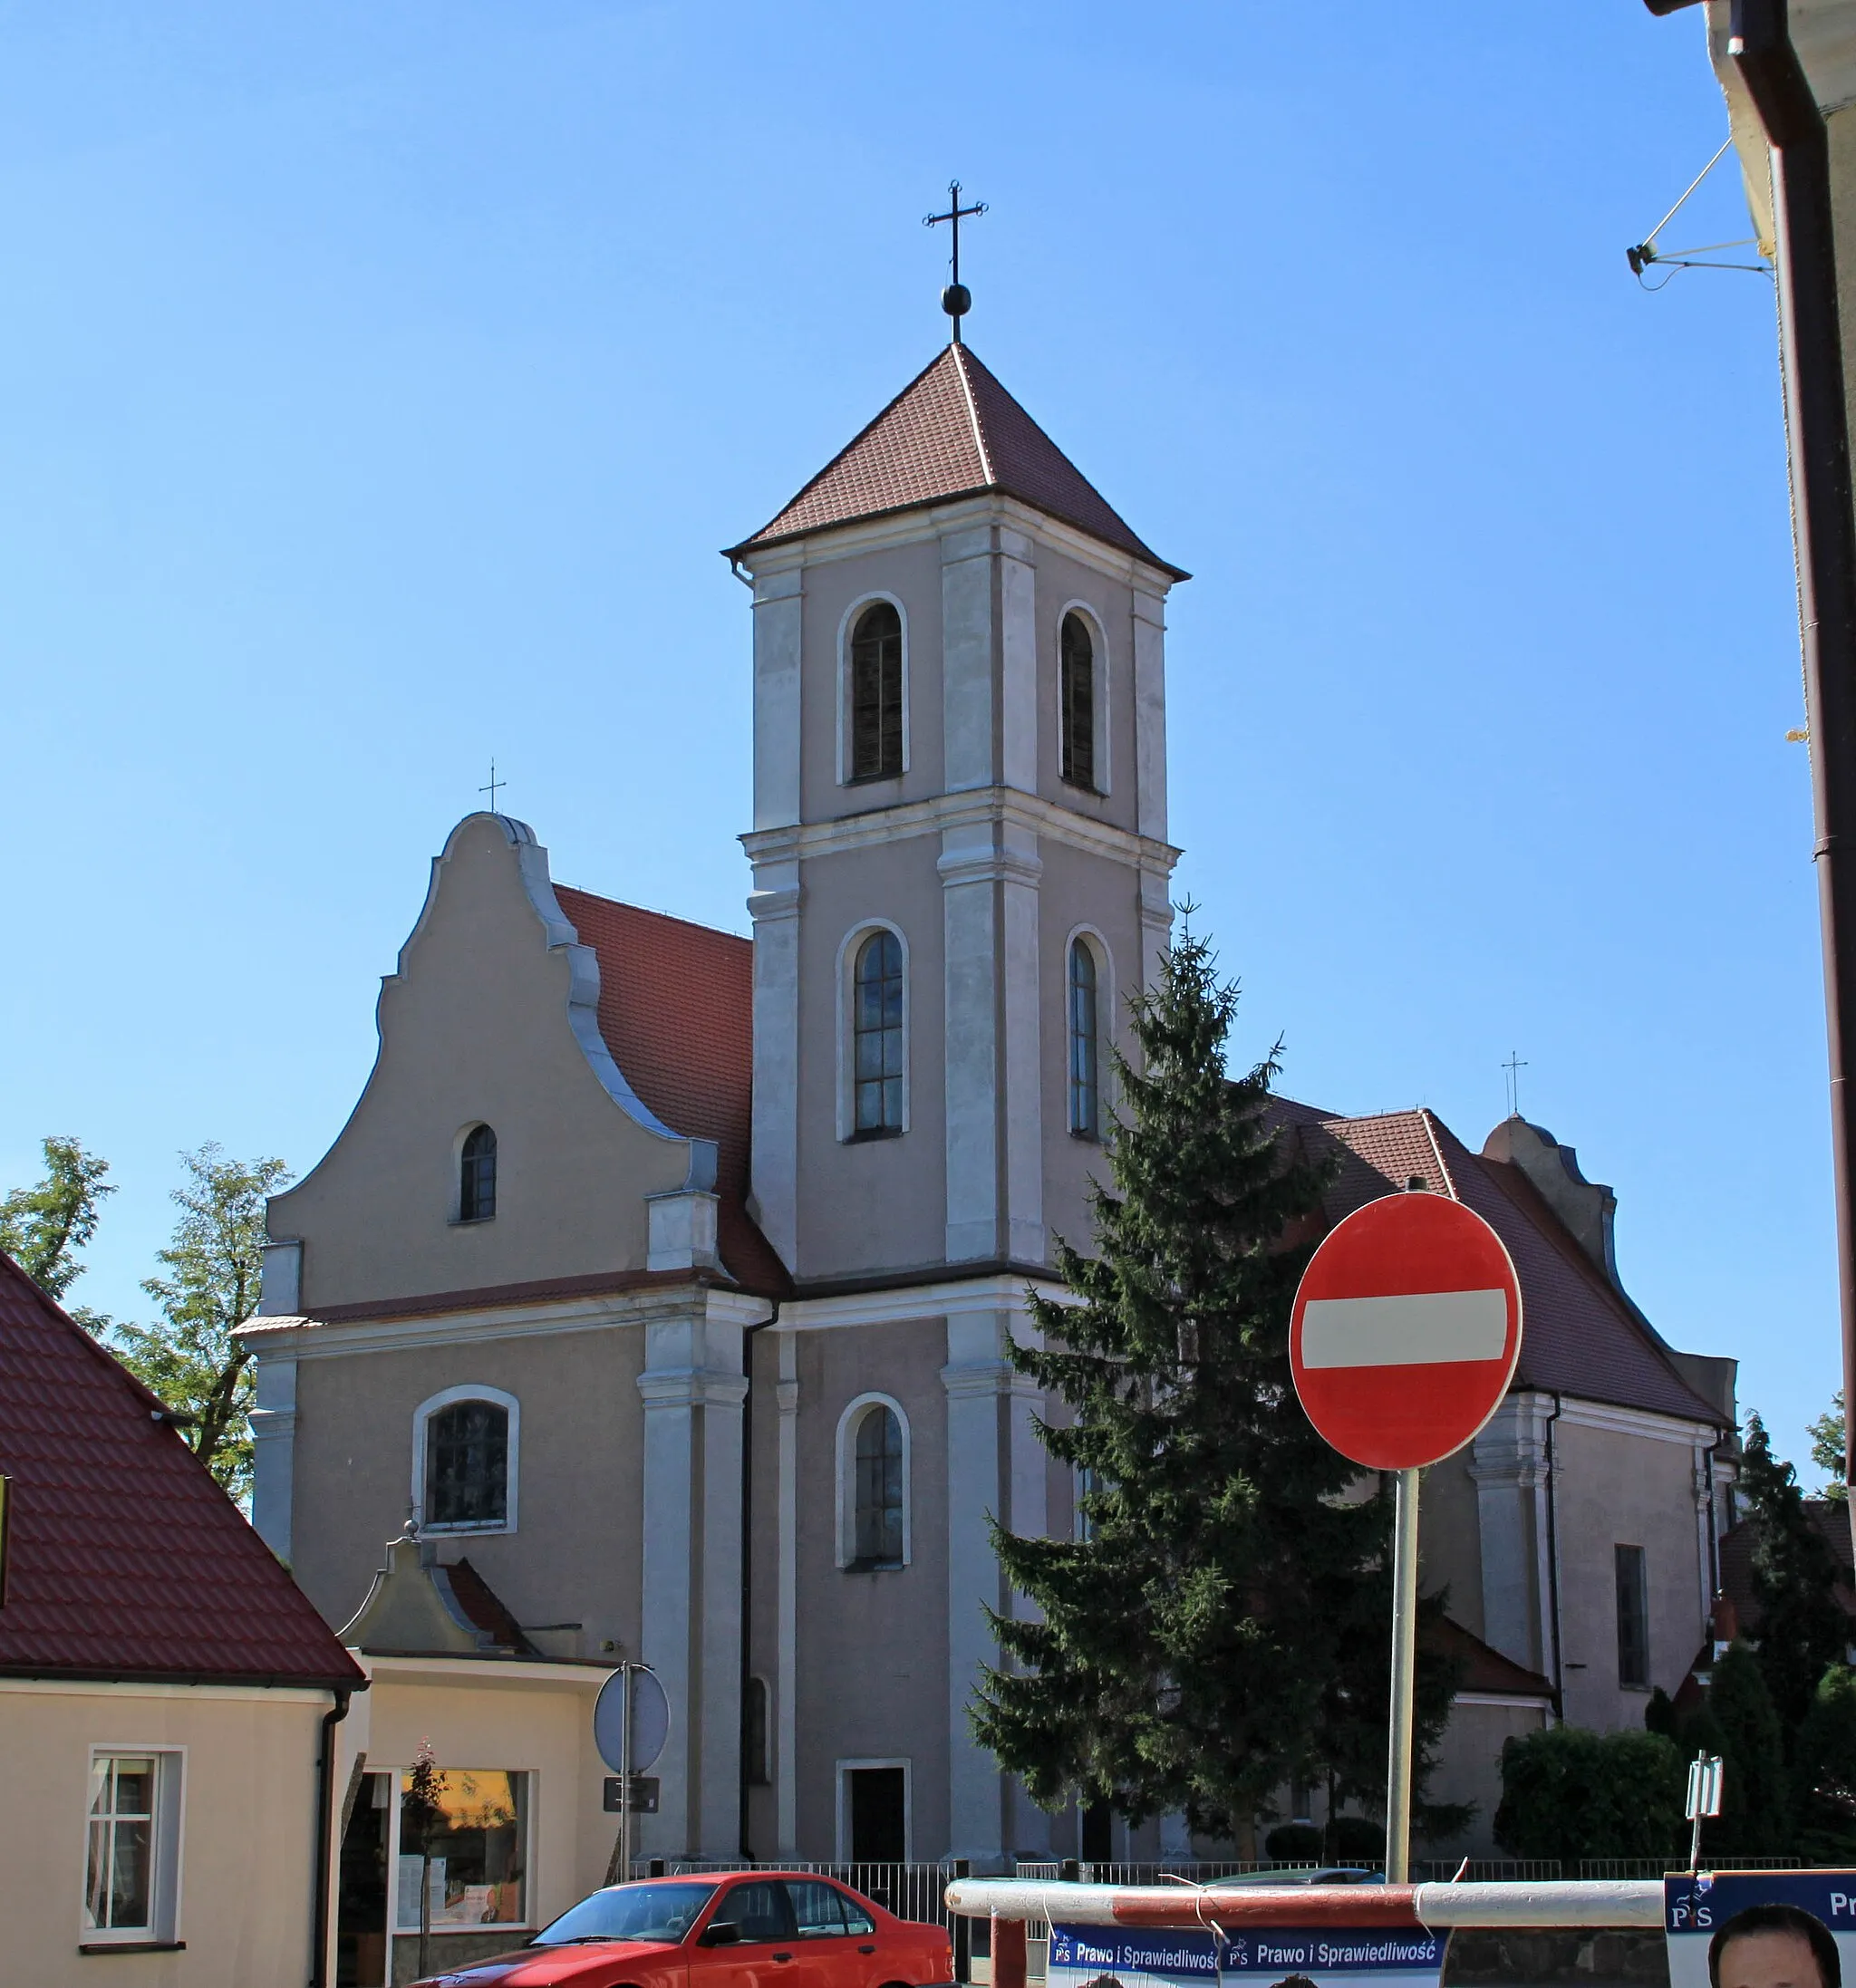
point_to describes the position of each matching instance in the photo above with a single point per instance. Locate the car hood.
(545, 1966)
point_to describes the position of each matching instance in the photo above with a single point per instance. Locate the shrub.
(1569, 1793)
(1355, 1839)
(1826, 1796)
(1293, 1843)
(1755, 1809)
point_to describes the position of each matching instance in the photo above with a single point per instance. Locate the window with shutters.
(876, 694)
(1077, 702)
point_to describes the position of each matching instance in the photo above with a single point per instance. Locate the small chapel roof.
(953, 431)
(125, 1560)
(1580, 1335)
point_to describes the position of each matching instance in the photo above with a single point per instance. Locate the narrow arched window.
(466, 1464)
(876, 694)
(876, 1037)
(1076, 695)
(477, 1176)
(878, 1514)
(1085, 1060)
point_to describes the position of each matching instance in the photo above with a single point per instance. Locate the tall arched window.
(878, 1511)
(1076, 702)
(1085, 1054)
(876, 1039)
(466, 1464)
(876, 694)
(477, 1176)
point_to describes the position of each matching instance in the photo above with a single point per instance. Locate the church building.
(666, 1276)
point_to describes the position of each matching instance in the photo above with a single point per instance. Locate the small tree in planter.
(421, 1810)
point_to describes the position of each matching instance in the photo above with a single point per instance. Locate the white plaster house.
(670, 1273)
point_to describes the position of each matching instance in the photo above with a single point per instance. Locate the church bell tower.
(960, 863)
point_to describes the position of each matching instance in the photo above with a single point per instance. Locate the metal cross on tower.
(491, 788)
(1515, 1066)
(956, 300)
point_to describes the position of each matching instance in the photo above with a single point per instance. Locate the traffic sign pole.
(625, 1780)
(1404, 1677)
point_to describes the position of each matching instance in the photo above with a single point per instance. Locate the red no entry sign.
(1405, 1331)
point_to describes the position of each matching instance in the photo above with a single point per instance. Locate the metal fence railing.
(1662, 1866)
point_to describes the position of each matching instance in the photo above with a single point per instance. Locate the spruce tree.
(1223, 1626)
(1755, 1810)
(1802, 1628)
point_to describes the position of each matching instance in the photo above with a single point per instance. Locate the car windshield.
(630, 1912)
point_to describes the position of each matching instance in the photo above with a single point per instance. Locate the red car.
(754, 1929)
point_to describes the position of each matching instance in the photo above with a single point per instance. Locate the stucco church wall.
(873, 1647)
(878, 1203)
(1450, 1539)
(1469, 1767)
(574, 1554)
(1618, 1488)
(475, 1029)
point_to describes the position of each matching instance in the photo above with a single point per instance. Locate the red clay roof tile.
(1579, 1335)
(676, 1008)
(953, 431)
(125, 1558)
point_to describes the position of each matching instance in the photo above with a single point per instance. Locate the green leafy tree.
(1222, 1628)
(1568, 1793)
(422, 1811)
(1823, 1789)
(1826, 1436)
(43, 1228)
(1756, 1817)
(1802, 1628)
(191, 1359)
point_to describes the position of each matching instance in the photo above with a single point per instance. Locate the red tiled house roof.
(125, 1560)
(676, 1008)
(953, 431)
(1580, 1336)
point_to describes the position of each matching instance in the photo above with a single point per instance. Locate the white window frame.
(1098, 686)
(1107, 1007)
(529, 1920)
(848, 1424)
(846, 627)
(170, 1812)
(421, 1421)
(844, 1769)
(848, 953)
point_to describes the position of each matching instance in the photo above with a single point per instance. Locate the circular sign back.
(1405, 1331)
(651, 1720)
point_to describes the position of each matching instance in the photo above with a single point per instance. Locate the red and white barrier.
(1594, 1902)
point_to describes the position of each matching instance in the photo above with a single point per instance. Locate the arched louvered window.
(1076, 702)
(477, 1176)
(1084, 1053)
(876, 1039)
(876, 694)
(878, 1511)
(466, 1464)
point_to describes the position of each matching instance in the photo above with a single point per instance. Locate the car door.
(766, 1954)
(824, 1936)
(862, 1963)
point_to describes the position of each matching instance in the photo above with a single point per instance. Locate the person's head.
(1773, 1947)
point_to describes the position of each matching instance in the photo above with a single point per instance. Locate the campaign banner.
(1766, 1928)
(1102, 1956)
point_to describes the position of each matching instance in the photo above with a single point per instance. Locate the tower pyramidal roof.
(953, 431)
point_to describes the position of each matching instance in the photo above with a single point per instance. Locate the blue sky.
(380, 383)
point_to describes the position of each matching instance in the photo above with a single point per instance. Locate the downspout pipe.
(1554, 1562)
(748, 1555)
(325, 1837)
(1824, 530)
